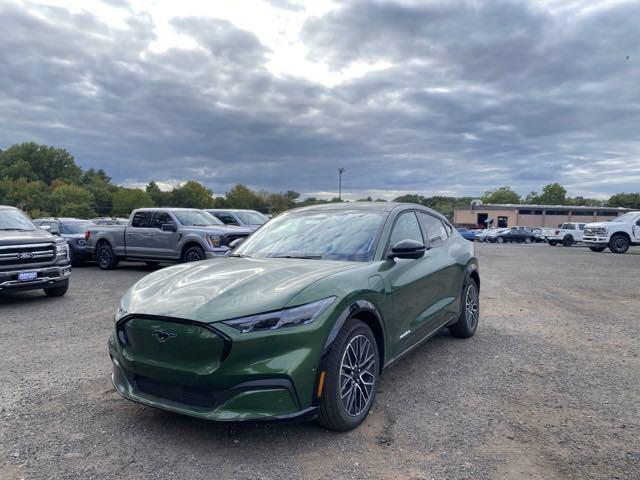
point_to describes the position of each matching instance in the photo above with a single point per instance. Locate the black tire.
(57, 291)
(553, 243)
(597, 249)
(567, 241)
(152, 264)
(527, 240)
(194, 253)
(500, 240)
(467, 323)
(333, 412)
(105, 257)
(619, 243)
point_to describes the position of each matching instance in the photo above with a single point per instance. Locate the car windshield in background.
(70, 228)
(252, 218)
(196, 218)
(330, 235)
(627, 217)
(15, 220)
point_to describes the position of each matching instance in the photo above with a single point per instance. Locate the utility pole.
(340, 172)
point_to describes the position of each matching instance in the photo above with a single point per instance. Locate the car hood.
(221, 230)
(224, 288)
(21, 237)
(599, 224)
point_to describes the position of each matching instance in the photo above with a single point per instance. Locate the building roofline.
(516, 206)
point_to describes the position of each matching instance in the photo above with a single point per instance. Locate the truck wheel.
(553, 243)
(619, 243)
(193, 254)
(57, 291)
(567, 241)
(105, 257)
(597, 249)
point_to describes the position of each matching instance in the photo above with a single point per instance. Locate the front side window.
(252, 218)
(161, 218)
(141, 219)
(226, 218)
(346, 235)
(406, 228)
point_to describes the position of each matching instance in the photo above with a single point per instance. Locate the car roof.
(7, 207)
(232, 210)
(382, 207)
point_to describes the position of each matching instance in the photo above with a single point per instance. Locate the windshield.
(330, 234)
(627, 217)
(196, 218)
(251, 218)
(70, 228)
(15, 220)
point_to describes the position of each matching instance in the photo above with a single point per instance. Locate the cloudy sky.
(434, 97)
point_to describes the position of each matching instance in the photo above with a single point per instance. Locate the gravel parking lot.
(548, 388)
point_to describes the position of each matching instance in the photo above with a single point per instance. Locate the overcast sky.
(451, 97)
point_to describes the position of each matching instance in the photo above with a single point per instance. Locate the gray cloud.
(478, 95)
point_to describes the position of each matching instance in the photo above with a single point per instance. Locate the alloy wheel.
(192, 256)
(471, 305)
(104, 257)
(357, 375)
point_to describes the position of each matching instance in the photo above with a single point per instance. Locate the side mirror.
(236, 243)
(407, 249)
(169, 227)
(46, 228)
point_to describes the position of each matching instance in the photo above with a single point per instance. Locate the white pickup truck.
(567, 234)
(618, 234)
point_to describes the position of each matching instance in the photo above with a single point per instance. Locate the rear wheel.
(467, 323)
(500, 240)
(105, 257)
(553, 243)
(619, 243)
(597, 249)
(527, 240)
(194, 253)
(57, 291)
(351, 378)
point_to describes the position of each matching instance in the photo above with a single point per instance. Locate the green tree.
(627, 200)
(72, 201)
(553, 194)
(27, 195)
(127, 199)
(99, 184)
(501, 195)
(192, 195)
(532, 198)
(242, 196)
(160, 198)
(39, 162)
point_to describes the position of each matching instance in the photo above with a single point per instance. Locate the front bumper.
(47, 277)
(237, 377)
(596, 240)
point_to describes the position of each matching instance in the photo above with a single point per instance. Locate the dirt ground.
(549, 388)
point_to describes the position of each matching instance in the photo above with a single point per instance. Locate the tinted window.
(141, 219)
(436, 231)
(226, 218)
(252, 218)
(70, 228)
(406, 228)
(161, 218)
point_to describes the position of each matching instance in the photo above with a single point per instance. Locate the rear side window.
(406, 228)
(226, 218)
(437, 233)
(141, 219)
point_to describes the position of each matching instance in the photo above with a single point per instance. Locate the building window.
(608, 214)
(503, 222)
(557, 212)
(582, 213)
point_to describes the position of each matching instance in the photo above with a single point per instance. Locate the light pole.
(340, 172)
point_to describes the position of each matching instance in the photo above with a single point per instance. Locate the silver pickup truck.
(155, 235)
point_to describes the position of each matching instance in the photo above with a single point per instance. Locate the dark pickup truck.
(31, 258)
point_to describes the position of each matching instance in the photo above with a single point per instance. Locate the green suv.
(300, 320)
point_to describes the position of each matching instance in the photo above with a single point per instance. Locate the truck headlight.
(62, 251)
(215, 240)
(288, 317)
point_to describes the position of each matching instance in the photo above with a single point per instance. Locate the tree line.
(46, 181)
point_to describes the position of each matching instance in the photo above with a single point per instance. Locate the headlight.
(215, 240)
(601, 231)
(289, 317)
(62, 251)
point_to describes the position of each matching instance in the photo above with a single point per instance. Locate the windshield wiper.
(306, 257)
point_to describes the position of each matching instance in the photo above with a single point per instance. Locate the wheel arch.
(621, 232)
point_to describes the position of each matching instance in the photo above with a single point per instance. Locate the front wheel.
(597, 249)
(527, 240)
(500, 240)
(553, 243)
(467, 323)
(619, 243)
(193, 254)
(567, 241)
(57, 291)
(351, 378)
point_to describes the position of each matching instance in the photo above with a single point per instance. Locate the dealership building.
(508, 215)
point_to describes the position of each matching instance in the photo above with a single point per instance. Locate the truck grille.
(234, 236)
(188, 395)
(16, 256)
